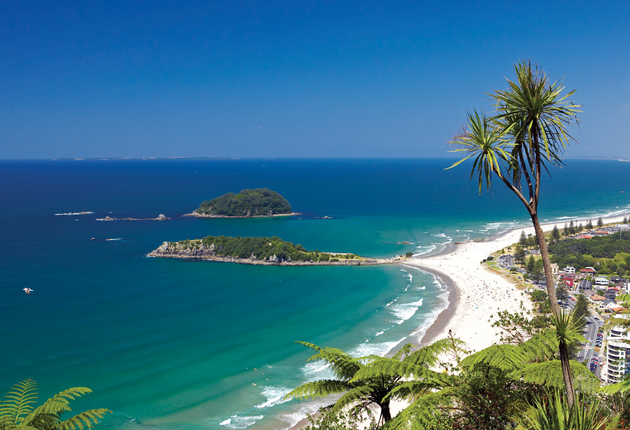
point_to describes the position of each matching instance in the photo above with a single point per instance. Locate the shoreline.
(447, 264)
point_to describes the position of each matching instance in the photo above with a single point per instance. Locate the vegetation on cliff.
(517, 383)
(262, 248)
(247, 203)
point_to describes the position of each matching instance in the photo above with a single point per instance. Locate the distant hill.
(259, 202)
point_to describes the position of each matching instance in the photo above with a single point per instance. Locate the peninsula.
(260, 251)
(260, 202)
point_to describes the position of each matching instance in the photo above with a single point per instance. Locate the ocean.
(176, 344)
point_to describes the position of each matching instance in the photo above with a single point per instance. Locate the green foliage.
(572, 252)
(539, 296)
(581, 308)
(260, 247)
(409, 254)
(555, 234)
(600, 223)
(531, 261)
(17, 410)
(552, 412)
(257, 202)
(328, 420)
(519, 254)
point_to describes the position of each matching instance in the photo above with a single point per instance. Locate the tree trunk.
(385, 413)
(551, 291)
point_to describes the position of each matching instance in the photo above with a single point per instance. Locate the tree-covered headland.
(247, 203)
(262, 248)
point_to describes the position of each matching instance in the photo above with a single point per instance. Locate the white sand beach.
(479, 292)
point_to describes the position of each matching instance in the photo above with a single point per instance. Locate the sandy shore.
(477, 292)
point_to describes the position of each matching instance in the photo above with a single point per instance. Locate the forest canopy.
(262, 248)
(247, 203)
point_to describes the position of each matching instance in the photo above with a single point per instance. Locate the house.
(569, 269)
(554, 269)
(584, 285)
(586, 236)
(597, 299)
(587, 271)
(610, 294)
(601, 281)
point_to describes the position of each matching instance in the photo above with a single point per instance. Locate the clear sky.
(294, 78)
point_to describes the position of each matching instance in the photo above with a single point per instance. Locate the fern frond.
(394, 370)
(358, 396)
(56, 405)
(411, 390)
(404, 352)
(619, 387)
(18, 402)
(549, 374)
(342, 364)
(428, 356)
(322, 388)
(542, 346)
(420, 414)
(504, 357)
(86, 419)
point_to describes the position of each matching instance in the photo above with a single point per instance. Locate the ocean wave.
(427, 249)
(404, 311)
(274, 395)
(392, 302)
(314, 371)
(439, 235)
(379, 349)
(292, 418)
(236, 422)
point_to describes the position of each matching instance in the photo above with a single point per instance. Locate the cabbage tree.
(527, 135)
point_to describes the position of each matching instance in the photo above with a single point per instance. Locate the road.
(590, 333)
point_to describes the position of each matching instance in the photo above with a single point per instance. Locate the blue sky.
(293, 78)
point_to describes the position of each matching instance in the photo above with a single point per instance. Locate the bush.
(490, 258)
(409, 254)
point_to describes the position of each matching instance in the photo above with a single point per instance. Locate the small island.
(160, 217)
(260, 251)
(260, 202)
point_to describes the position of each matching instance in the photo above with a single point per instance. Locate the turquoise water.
(174, 344)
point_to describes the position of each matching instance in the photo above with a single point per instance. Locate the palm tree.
(372, 380)
(528, 134)
(18, 413)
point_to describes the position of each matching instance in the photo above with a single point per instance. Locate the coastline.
(460, 271)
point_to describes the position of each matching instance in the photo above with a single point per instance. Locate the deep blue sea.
(188, 345)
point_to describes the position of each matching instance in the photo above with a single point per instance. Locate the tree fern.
(17, 412)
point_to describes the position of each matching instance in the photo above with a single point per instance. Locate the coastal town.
(607, 350)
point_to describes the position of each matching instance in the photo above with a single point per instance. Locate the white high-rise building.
(617, 355)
